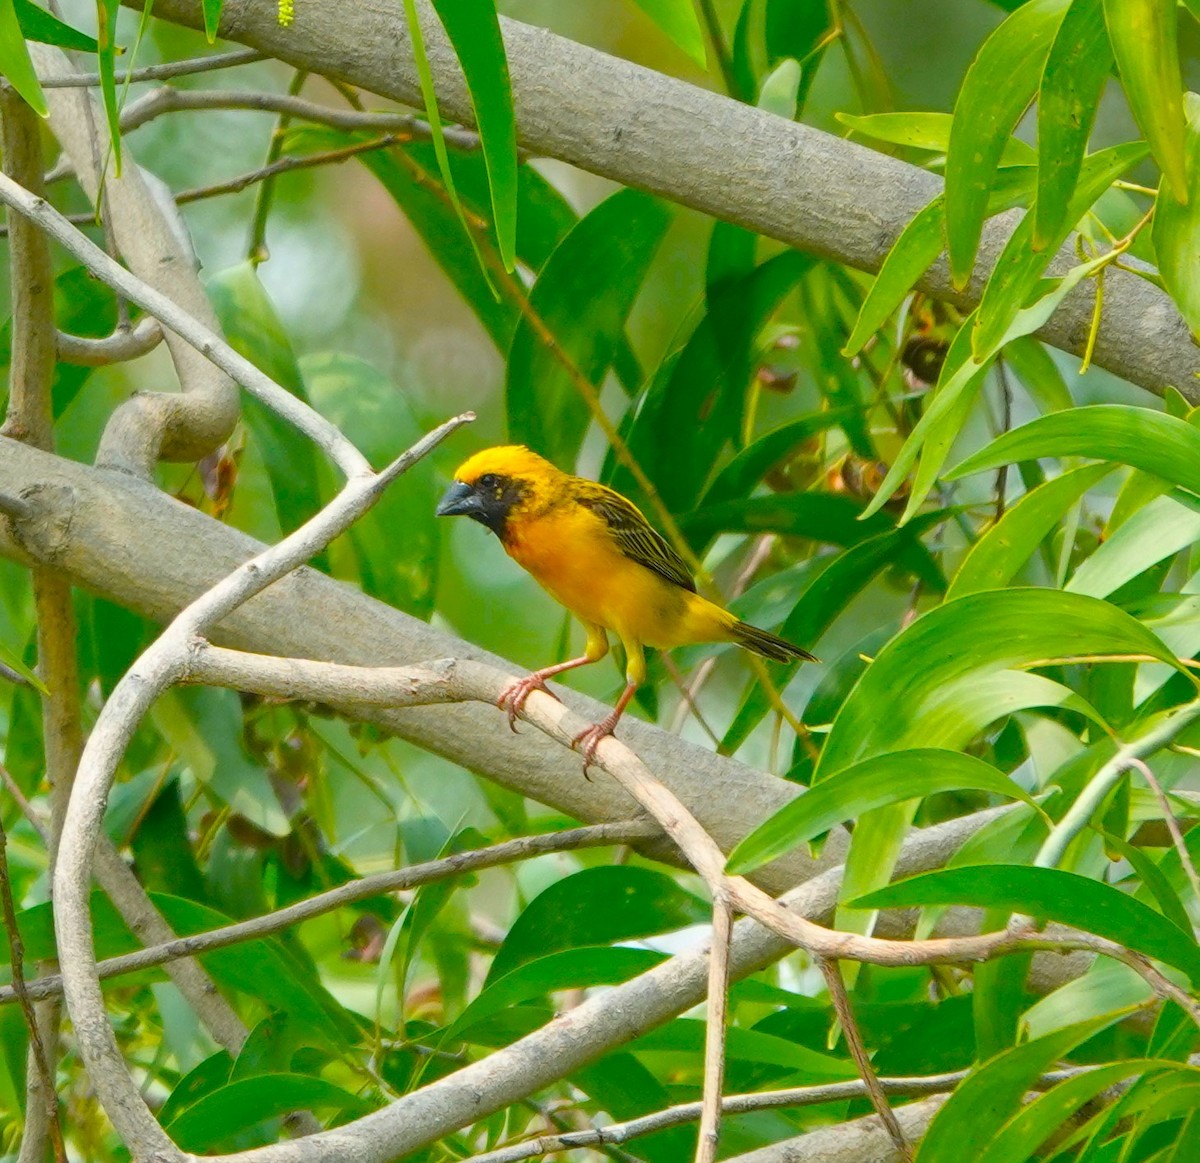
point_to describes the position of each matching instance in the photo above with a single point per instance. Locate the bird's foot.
(513, 698)
(586, 742)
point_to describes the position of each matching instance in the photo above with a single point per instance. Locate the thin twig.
(324, 434)
(1077, 816)
(257, 251)
(287, 165)
(736, 1104)
(714, 1034)
(17, 966)
(1185, 857)
(397, 880)
(121, 346)
(858, 1051)
(171, 100)
(163, 72)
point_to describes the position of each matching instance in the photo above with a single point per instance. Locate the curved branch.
(207, 343)
(184, 425)
(124, 344)
(788, 181)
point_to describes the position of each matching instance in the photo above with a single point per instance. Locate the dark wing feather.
(634, 535)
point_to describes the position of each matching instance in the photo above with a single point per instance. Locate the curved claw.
(513, 698)
(587, 741)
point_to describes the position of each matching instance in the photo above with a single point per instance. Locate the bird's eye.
(489, 481)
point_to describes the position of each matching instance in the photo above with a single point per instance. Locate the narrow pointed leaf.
(1155, 532)
(581, 298)
(995, 558)
(738, 478)
(995, 93)
(474, 31)
(966, 1125)
(1014, 279)
(929, 131)
(1177, 230)
(1152, 441)
(15, 65)
(677, 18)
(874, 783)
(46, 28)
(1076, 69)
(919, 694)
(1049, 894)
(212, 19)
(1144, 37)
(912, 254)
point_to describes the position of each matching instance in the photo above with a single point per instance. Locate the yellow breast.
(571, 554)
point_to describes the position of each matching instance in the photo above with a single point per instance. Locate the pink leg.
(587, 741)
(513, 698)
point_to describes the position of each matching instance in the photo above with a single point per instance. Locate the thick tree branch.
(128, 542)
(787, 181)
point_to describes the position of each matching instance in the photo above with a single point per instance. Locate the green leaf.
(395, 544)
(1021, 264)
(1076, 70)
(838, 583)
(474, 31)
(958, 385)
(738, 478)
(995, 93)
(993, 561)
(701, 390)
(437, 134)
(594, 907)
(1020, 1138)
(1152, 441)
(212, 18)
(1039, 374)
(253, 328)
(582, 968)
(754, 1046)
(1177, 230)
(982, 1103)
(863, 787)
(13, 660)
(46, 28)
(919, 694)
(912, 254)
(1155, 532)
(677, 18)
(106, 60)
(581, 299)
(15, 64)
(929, 131)
(919, 244)
(1144, 37)
(781, 89)
(244, 1104)
(1053, 895)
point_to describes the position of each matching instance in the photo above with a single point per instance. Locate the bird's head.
(497, 483)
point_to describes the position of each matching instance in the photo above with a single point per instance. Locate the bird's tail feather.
(768, 645)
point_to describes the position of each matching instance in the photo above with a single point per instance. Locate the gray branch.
(809, 189)
(183, 425)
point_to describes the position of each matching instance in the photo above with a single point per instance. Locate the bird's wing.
(634, 535)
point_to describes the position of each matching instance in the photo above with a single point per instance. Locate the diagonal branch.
(788, 181)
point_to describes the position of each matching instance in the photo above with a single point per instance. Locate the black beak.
(460, 500)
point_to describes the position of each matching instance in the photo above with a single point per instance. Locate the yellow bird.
(594, 552)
